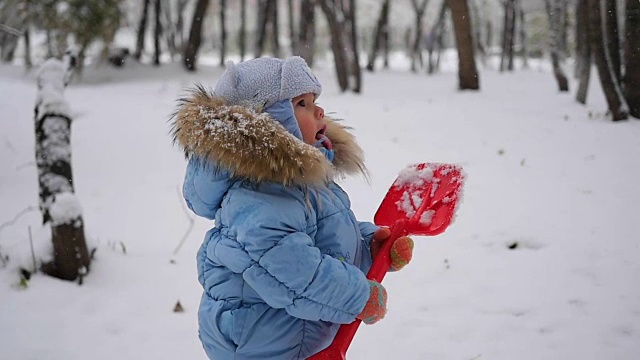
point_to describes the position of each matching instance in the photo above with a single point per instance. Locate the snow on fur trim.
(254, 146)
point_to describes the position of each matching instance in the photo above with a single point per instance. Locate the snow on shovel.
(422, 201)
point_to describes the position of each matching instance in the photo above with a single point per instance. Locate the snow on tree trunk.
(556, 14)
(467, 71)
(611, 88)
(58, 202)
(631, 79)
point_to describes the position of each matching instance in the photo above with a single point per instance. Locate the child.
(285, 264)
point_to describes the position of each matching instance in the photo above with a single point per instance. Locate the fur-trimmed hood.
(254, 146)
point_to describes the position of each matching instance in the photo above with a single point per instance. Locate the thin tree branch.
(191, 222)
(17, 217)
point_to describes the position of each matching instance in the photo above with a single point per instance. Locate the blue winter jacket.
(285, 264)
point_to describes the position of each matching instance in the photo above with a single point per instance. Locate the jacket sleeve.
(366, 230)
(285, 267)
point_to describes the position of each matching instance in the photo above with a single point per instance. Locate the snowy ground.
(553, 177)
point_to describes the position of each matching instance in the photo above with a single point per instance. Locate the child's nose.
(319, 112)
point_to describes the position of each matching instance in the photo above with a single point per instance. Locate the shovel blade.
(425, 196)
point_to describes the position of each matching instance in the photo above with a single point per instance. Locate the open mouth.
(323, 140)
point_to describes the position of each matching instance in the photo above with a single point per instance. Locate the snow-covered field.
(552, 178)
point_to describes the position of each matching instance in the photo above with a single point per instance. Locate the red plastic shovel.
(422, 201)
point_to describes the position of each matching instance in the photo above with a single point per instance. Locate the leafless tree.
(242, 37)
(523, 34)
(611, 88)
(612, 36)
(333, 14)
(508, 35)
(223, 32)
(352, 26)
(292, 25)
(556, 15)
(435, 38)
(267, 27)
(157, 33)
(195, 35)
(307, 31)
(142, 26)
(416, 49)
(381, 33)
(467, 71)
(583, 51)
(631, 79)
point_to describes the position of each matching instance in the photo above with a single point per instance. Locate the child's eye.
(301, 103)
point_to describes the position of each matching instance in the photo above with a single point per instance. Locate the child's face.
(310, 117)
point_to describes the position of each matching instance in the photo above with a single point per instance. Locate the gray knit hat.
(264, 81)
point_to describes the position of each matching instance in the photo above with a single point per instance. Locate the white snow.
(65, 209)
(554, 180)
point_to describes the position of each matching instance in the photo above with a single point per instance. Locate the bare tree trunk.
(142, 26)
(612, 36)
(386, 47)
(512, 35)
(338, 43)
(292, 26)
(612, 91)
(439, 35)
(157, 33)
(556, 16)
(356, 70)
(305, 43)
(523, 35)
(58, 203)
(195, 35)
(243, 29)
(583, 51)
(27, 48)
(381, 29)
(223, 32)
(467, 71)
(180, 46)
(275, 29)
(416, 51)
(631, 79)
(476, 22)
(261, 29)
(169, 29)
(508, 35)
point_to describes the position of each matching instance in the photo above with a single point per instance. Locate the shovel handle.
(338, 348)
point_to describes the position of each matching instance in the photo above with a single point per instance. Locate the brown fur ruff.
(254, 146)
